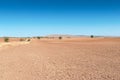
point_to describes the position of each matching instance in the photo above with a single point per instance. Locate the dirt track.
(97, 59)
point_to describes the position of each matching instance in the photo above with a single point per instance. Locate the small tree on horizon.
(60, 37)
(92, 36)
(38, 37)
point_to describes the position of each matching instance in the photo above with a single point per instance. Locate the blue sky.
(43, 17)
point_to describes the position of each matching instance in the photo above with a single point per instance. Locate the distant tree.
(38, 37)
(92, 36)
(60, 37)
(6, 39)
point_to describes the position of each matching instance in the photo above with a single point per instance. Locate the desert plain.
(66, 59)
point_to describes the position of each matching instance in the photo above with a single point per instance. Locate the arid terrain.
(66, 59)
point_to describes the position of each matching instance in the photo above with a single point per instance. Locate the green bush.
(6, 39)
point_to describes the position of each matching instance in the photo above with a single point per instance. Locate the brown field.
(67, 59)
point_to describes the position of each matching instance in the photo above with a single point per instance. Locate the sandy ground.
(74, 59)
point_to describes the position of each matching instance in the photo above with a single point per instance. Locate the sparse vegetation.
(60, 37)
(6, 39)
(68, 37)
(92, 36)
(28, 40)
(22, 39)
(38, 37)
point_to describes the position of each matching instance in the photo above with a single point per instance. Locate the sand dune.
(68, 59)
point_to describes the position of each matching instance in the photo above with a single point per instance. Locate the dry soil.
(73, 59)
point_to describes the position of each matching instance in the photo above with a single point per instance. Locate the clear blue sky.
(43, 17)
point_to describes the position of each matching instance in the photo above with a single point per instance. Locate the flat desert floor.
(73, 59)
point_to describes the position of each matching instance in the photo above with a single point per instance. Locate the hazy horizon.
(21, 18)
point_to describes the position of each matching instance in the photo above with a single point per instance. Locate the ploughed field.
(73, 59)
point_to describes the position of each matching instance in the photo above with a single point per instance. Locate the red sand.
(74, 59)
